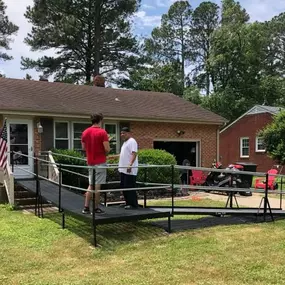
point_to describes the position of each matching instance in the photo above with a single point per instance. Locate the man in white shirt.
(127, 168)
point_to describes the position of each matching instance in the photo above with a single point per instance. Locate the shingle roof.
(270, 109)
(61, 98)
(257, 109)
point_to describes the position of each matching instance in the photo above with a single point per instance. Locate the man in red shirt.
(95, 142)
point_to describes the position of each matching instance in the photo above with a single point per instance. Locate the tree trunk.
(182, 57)
(97, 37)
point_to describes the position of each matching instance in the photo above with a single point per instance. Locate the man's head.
(96, 118)
(125, 133)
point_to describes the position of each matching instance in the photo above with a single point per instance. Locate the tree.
(88, 36)
(156, 77)
(205, 20)
(273, 136)
(28, 77)
(7, 29)
(171, 41)
(193, 95)
(239, 51)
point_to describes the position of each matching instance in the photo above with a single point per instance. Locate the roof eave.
(82, 116)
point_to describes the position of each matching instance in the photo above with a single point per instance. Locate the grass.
(37, 251)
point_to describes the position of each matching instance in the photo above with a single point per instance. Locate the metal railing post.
(59, 188)
(281, 192)
(37, 186)
(93, 206)
(265, 197)
(144, 192)
(172, 189)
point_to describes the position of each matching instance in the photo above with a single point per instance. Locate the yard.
(37, 251)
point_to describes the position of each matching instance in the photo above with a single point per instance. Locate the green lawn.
(37, 251)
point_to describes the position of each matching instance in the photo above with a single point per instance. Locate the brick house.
(44, 115)
(239, 140)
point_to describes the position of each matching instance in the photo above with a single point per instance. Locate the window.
(244, 147)
(78, 129)
(259, 145)
(111, 129)
(61, 137)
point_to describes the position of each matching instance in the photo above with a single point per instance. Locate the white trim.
(71, 116)
(175, 140)
(256, 145)
(241, 147)
(117, 133)
(54, 132)
(18, 173)
(246, 113)
(72, 130)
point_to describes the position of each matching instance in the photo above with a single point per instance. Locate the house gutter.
(85, 117)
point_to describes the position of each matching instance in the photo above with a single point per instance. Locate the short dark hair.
(96, 118)
(125, 129)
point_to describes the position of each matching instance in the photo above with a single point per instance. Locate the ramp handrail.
(9, 184)
(53, 172)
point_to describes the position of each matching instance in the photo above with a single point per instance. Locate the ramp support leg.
(62, 219)
(169, 224)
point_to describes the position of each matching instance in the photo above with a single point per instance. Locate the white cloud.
(142, 19)
(146, 6)
(263, 10)
(259, 10)
(15, 12)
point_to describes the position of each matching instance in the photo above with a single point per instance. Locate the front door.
(20, 140)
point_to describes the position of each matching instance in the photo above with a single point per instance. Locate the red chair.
(260, 182)
(198, 177)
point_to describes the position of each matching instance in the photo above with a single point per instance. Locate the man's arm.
(106, 145)
(134, 156)
(113, 156)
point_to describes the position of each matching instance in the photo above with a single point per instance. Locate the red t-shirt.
(93, 138)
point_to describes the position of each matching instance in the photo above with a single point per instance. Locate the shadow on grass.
(109, 236)
(211, 221)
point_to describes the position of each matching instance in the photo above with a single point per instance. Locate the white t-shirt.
(127, 149)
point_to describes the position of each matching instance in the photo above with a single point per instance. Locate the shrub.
(146, 156)
(159, 174)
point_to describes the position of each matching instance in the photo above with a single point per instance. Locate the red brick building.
(44, 115)
(239, 140)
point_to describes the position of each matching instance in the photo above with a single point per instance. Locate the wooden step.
(46, 207)
(24, 194)
(25, 201)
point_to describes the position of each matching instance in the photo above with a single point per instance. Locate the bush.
(67, 177)
(146, 156)
(157, 175)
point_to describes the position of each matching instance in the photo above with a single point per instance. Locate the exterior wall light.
(40, 128)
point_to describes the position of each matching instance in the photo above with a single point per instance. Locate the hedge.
(146, 156)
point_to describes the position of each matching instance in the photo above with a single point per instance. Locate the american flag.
(3, 146)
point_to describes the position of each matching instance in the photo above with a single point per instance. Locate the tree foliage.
(7, 29)
(88, 36)
(274, 138)
(205, 20)
(171, 41)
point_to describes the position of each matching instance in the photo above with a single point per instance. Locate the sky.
(145, 20)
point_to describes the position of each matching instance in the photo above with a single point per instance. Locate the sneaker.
(99, 211)
(129, 207)
(86, 211)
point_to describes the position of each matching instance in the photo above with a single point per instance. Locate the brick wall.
(37, 138)
(146, 132)
(247, 126)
